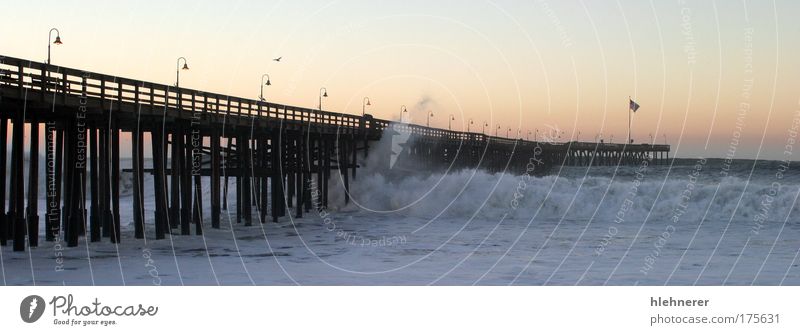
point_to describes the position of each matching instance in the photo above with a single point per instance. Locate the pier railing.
(19, 77)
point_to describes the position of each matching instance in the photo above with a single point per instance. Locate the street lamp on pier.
(323, 93)
(268, 83)
(56, 42)
(364, 104)
(178, 69)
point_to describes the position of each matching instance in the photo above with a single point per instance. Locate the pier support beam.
(344, 145)
(159, 186)
(137, 150)
(184, 163)
(327, 149)
(318, 147)
(307, 161)
(215, 187)
(4, 223)
(290, 158)
(116, 236)
(94, 217)
(299, 174)
(105, 178)
(277, 183)
(264, 199)
(76, 165)
(174, 178)
(53, 169)
(237, 179)
(246, 194)
(66, 184)
(196, 146)
(227, 165)
(33, 186)
(17, 182)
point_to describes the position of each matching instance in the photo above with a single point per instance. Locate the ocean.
(695, 222)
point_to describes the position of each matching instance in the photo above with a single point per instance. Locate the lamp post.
(536, 135)
(261, 97)
(364, 104)
(428, 122)
(56, 42)
(468, 124)
(323, 93)
(612, 139)
(178, 70)
(651, 138)
(579, 136)
(403, 111)
(450, 121)
(508, 131)
(496, 130)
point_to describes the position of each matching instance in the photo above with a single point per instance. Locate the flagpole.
(629, 120)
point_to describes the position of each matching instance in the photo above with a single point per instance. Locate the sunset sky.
(693, 66)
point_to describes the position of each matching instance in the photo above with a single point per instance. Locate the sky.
(713, 78)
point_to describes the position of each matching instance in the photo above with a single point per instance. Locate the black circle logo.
(31, 308)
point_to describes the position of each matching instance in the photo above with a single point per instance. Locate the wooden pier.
(281, 157)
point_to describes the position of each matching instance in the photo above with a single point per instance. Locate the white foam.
(466, 193)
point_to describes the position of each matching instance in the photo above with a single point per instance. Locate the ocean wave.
(470, 193)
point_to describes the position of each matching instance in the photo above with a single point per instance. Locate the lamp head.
(325, 95)
(185, 66)
(368, 103)
(58, 40)
(268, 83)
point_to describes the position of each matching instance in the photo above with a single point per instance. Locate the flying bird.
(277, 59)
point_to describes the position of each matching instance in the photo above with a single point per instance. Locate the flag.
(633, 106)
